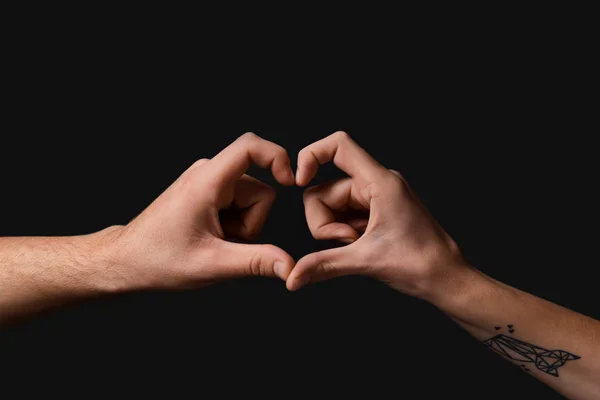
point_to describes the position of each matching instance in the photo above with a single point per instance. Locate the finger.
(319, 203)
(252, 201)
(188, 172)
(324, 265)
(234, 160)
(343, 151)
(359, 224)
(198, 163)
(232, 260)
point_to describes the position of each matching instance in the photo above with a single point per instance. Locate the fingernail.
(279, 269)
(298, 174)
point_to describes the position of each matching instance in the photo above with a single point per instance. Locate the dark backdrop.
(499, 149)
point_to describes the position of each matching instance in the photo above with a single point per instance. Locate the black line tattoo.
(545, 360)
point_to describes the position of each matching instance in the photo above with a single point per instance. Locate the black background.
(495, 138)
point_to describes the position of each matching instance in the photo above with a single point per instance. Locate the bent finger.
(319, 203)
(233, 161)
(344, 152)
(251, 204)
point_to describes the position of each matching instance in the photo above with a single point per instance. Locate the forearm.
(40, 272)
(558, 346)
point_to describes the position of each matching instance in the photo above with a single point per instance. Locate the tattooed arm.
(177, 242)
(392, 237)
(558, 346)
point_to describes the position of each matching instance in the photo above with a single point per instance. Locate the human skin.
(179, 241)
(391, 237)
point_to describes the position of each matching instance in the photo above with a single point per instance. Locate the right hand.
(399, 243)
(181, 239)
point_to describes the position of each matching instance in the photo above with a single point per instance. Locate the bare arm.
(556, 345)
(179, 241)
(42, 272)
(397, 241)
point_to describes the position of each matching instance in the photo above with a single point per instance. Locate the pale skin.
(180, 241)
(402, 245)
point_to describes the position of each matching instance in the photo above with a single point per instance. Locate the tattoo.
(545, 360)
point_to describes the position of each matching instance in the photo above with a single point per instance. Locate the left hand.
(392, 235)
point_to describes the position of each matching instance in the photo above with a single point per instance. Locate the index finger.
(343, 151)
(233, 161)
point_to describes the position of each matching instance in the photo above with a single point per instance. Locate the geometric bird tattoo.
(545, 360)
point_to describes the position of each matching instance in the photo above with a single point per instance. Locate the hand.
(399, 243)
(179, 240)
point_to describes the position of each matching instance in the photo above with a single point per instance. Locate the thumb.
(238, 260)
(324, 265)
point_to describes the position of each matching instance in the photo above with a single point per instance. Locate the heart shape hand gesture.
(190, 236)
(180, 240)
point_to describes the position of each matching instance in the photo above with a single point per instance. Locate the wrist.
(454, 286)
(106, 261)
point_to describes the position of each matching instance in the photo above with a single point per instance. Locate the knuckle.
(371, 190)
(302, 154)
(255, 264)
(318, 233)
(325, 269)
(395, 181)
(398, 174)
(188, 183)
(307, 156)
(342, 136)
(249, 136)
(282, 152)
(200, 162)
(258, 265)
(402, 186)
(400, 189)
